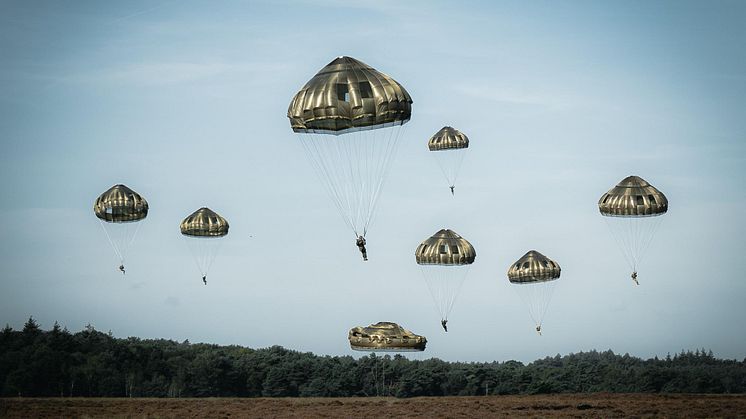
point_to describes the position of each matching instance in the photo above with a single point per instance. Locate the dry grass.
(562, 405)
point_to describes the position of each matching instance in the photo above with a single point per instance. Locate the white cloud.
(512, 95)
(170, 73)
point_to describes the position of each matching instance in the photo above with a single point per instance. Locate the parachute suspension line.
(546, 298)
(391, 148)
(450, 162)
(111, 242)
(537, 296)
(633, 236)
(204, 251)
(124, 235)
(353, 167)
(643, 233)
(444, 284)
(315, 152)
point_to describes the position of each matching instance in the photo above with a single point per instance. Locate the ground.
(561, 405)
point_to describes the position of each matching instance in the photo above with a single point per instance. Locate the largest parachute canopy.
(633, 197)
(204, 223)
(445, 247)
(120, 204)
(349, 95)
(533, 267)
(385, 336)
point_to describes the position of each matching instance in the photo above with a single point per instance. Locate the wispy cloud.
(170, 73)
(512, 95)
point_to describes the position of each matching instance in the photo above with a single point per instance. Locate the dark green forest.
(90, 363)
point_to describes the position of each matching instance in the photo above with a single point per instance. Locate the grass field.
(562, 405)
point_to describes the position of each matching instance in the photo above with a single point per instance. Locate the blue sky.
(186, 102)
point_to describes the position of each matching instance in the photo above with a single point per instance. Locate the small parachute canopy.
(204, 223)
(349, 95)
(385, 336)
(120, 204)
(533, 267)
(633, 197)
(448, 138)
(445, 247)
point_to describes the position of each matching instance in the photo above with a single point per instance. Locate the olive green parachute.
(445, 247)
(202, 231)
(533, 267)
(119, 211)
(349, 117)
(120, 204)
(204, 223)
(444, 260)
(632, 210)
(448, 138)
(385, 336)
(633, 197)
(534, 276)
(449, 145)
(348, 95)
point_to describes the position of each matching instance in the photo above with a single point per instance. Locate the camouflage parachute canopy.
(533, 267)
(204, 223)
(445, 248)
(349, 95)
(448, 139)
(385, 336)
(633, 197)
(120, 204)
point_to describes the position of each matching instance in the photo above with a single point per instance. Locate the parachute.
(632, 210)
(349, 117)
(385, 336)
(202, 230)
(449, 145)
(119, 211)
(533, 277)
(445, 259)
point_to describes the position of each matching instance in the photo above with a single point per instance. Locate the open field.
(561, 405)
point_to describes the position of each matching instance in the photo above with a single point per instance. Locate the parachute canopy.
(204, 223)
(533, 267)
(349, 95)
(385, 336)
(120, 204)
(448, 139)
(445, 247)
(633, 197)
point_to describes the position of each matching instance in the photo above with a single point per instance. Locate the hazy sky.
(185, 102)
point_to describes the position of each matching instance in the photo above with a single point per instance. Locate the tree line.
(89, 363)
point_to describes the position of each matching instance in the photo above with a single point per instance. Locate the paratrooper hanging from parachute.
(349, 117)
(120, 210)
(444, 259)
(533, 277)
(203, 230)
(632, 210)
(449, 145)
